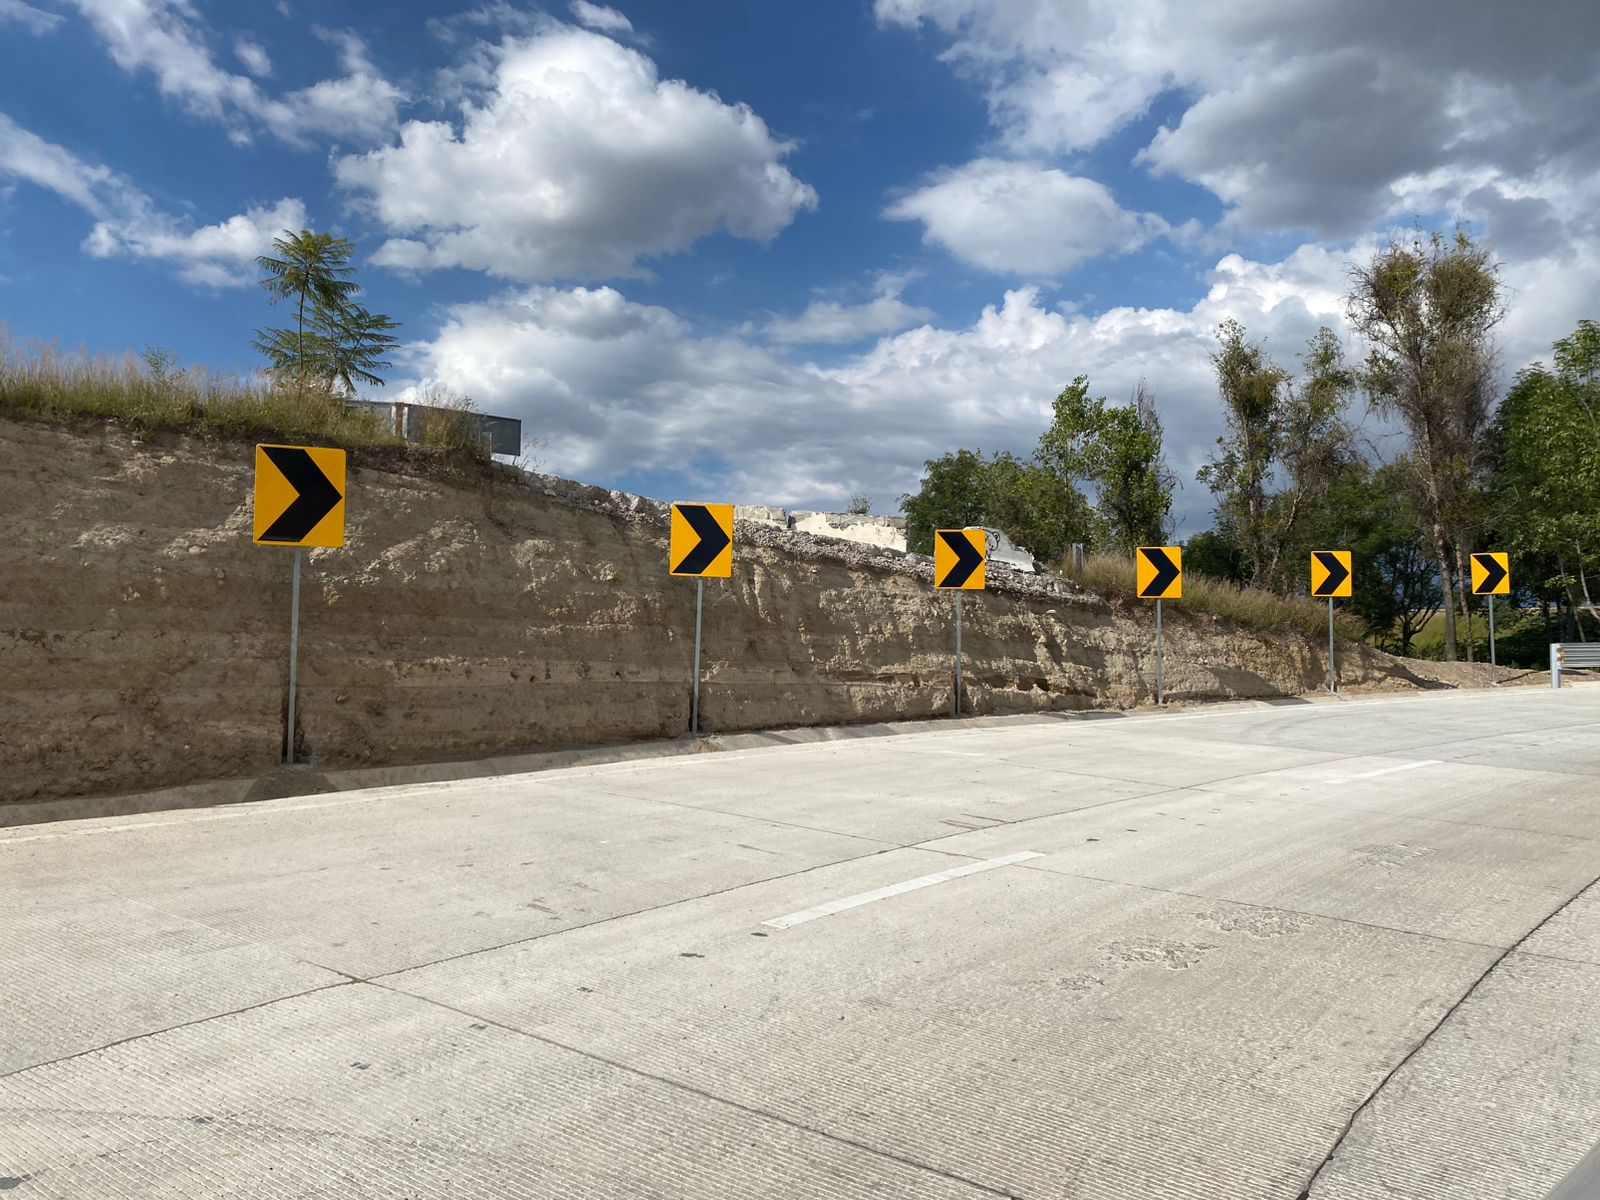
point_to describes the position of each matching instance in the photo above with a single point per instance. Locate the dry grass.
(44, 382)
(1112, 576)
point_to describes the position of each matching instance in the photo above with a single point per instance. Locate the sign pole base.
(699, 610)
(294, 656)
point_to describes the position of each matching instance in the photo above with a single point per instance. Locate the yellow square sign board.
(1491, 574)
(701, 541)
(961, 559)
(1331, 575)
(1158, 572)
(299, 496)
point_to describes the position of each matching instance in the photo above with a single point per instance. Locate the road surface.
(1233, 953)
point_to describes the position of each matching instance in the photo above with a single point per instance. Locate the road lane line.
(896, 889)
(1411, 766)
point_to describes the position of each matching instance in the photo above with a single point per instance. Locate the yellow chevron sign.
(1330, 574)
(1158, 571)
(1491, 574)
(961, 559)
(701, 541)
(299, 496)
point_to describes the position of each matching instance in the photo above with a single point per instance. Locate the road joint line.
(1426, 1038)
(703, 1093)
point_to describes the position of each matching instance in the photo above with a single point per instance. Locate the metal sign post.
(294, 656)
(1160, 680)
(1494, 667)
(958, 654)
(699, 610)
(1333, 671)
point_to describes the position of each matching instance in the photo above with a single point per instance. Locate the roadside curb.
(307, 780)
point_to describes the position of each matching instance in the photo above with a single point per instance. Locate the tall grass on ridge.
(148, 394)
(1112, 575)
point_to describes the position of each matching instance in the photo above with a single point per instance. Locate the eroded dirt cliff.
(143, 638)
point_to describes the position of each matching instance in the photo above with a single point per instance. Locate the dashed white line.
(896, 889)
(1411, 766)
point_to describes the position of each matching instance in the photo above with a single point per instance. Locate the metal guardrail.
(1566, 656)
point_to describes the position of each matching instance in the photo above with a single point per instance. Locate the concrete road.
(1347, 949)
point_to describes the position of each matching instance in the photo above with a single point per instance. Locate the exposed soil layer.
(475, 610)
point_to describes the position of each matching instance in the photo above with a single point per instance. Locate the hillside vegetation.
(149, 393)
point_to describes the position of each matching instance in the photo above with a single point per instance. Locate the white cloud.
(1021, 218)
(1299, 114)
(833, 322)
(128, 224)
(34, 20)
(620, 387)
(253, 55)
(220, 255)
(578, 162)
(598, 16)
(165, 38)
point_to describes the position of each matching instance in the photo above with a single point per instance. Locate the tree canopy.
(335, 343)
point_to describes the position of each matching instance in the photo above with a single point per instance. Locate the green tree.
(1396, 592)
(334, 341)
(351, 344)
(1547, 489)
(953, 495)
(1283, 449)
(1035, 507)
(1216, 554)
(1117, 450)
(1428, 310)
(1031, 505)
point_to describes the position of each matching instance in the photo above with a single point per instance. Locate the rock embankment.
(473, 611)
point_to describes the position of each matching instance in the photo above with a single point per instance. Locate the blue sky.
(783, 253)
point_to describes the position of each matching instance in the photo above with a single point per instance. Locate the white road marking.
(896, 889)
(1411, 766)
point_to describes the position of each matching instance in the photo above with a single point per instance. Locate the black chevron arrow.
(713, 541)
(1337, 572)
(1166, 571)
(317, 497)
(1493, 573)
(968, 559)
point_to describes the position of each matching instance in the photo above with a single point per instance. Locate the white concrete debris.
(1006, 553)
(888, 533)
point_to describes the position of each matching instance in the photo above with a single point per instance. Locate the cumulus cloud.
(220, 255)
(598, 16)
(577, 161)
(34, 20)
(618, 386)
(1300, 114)
(128, 224)
(1021, 218)
(165, 38)
(834, 322)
